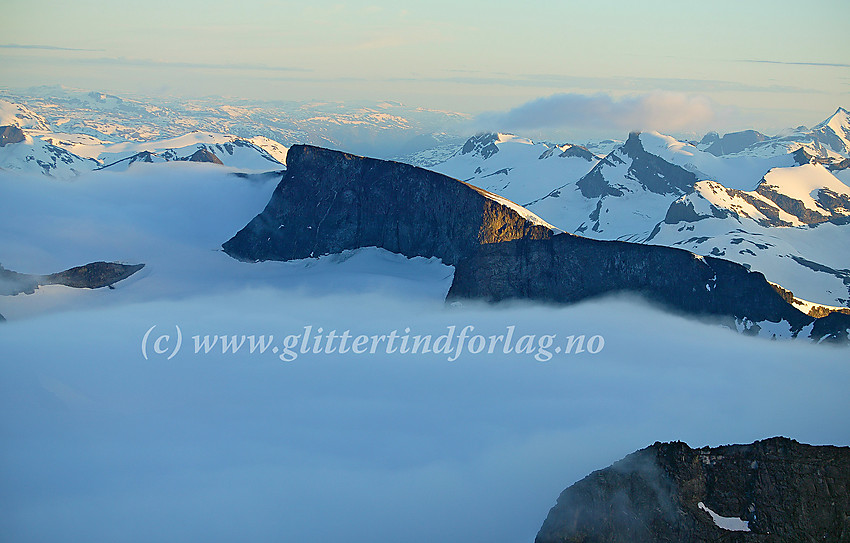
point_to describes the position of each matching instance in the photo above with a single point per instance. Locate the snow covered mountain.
(28, 144)
(778, 205)
(68, 155)
(22, 152)
(383, 129)
(257, 154)
(828, 140)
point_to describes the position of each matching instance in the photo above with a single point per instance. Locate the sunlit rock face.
(775, 490)
(330, 201)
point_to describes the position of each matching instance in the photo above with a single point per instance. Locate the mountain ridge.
(329, 201)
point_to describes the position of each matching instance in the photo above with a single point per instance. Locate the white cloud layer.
(99, 444)
(662, 111)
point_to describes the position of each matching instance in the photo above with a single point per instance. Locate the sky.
(772, 62)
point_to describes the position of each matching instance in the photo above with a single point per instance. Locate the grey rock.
(482, 144)
(735, 142)
(654, 173)
(569, 269)
(10, 134)
(783, 490)
(204, 155)
(93, 275)
(330, 201)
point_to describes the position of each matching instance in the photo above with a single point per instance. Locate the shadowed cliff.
(776, 490)
(330, 201)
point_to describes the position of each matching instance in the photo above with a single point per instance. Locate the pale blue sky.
(777, 63)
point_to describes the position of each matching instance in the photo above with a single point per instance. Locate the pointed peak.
(840, 117)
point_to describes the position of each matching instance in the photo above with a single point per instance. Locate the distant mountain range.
(779, 205)
(383, 128)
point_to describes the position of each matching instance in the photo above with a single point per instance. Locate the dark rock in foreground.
(776, 490)
(329, 201)
(93, 275)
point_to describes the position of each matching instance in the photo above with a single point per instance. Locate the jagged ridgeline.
(329, 201)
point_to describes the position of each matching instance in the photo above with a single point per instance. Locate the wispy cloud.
(42, 47)
(195, 65)
(167, 64)
(818, 64)
(671, 111)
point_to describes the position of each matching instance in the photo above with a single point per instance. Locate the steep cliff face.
(330, 201)
(568, 268)
(776, 490)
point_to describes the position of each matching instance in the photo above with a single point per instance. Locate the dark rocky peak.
(651, 172)
(329, 201)
(204, 155)
(802, 156)
(11, 134)
(481, 144)
(594, 184)
(709, 138)
(735, 142)
(834, 132)
(841, 117)
(839, 165)
(776, 490)
(579, 152)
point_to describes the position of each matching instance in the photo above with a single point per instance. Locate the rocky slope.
(93, 275)
(775, 490)
(330, 201)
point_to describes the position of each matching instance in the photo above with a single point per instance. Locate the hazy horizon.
(690, 69)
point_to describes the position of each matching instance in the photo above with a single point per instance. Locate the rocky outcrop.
(330, 201)
(735, 142)
(204, 155)
(776, 490)
(93, 275)
(578, 151)
(11, 134)
(482, 144)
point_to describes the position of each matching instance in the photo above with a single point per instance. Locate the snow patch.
(726, 523)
